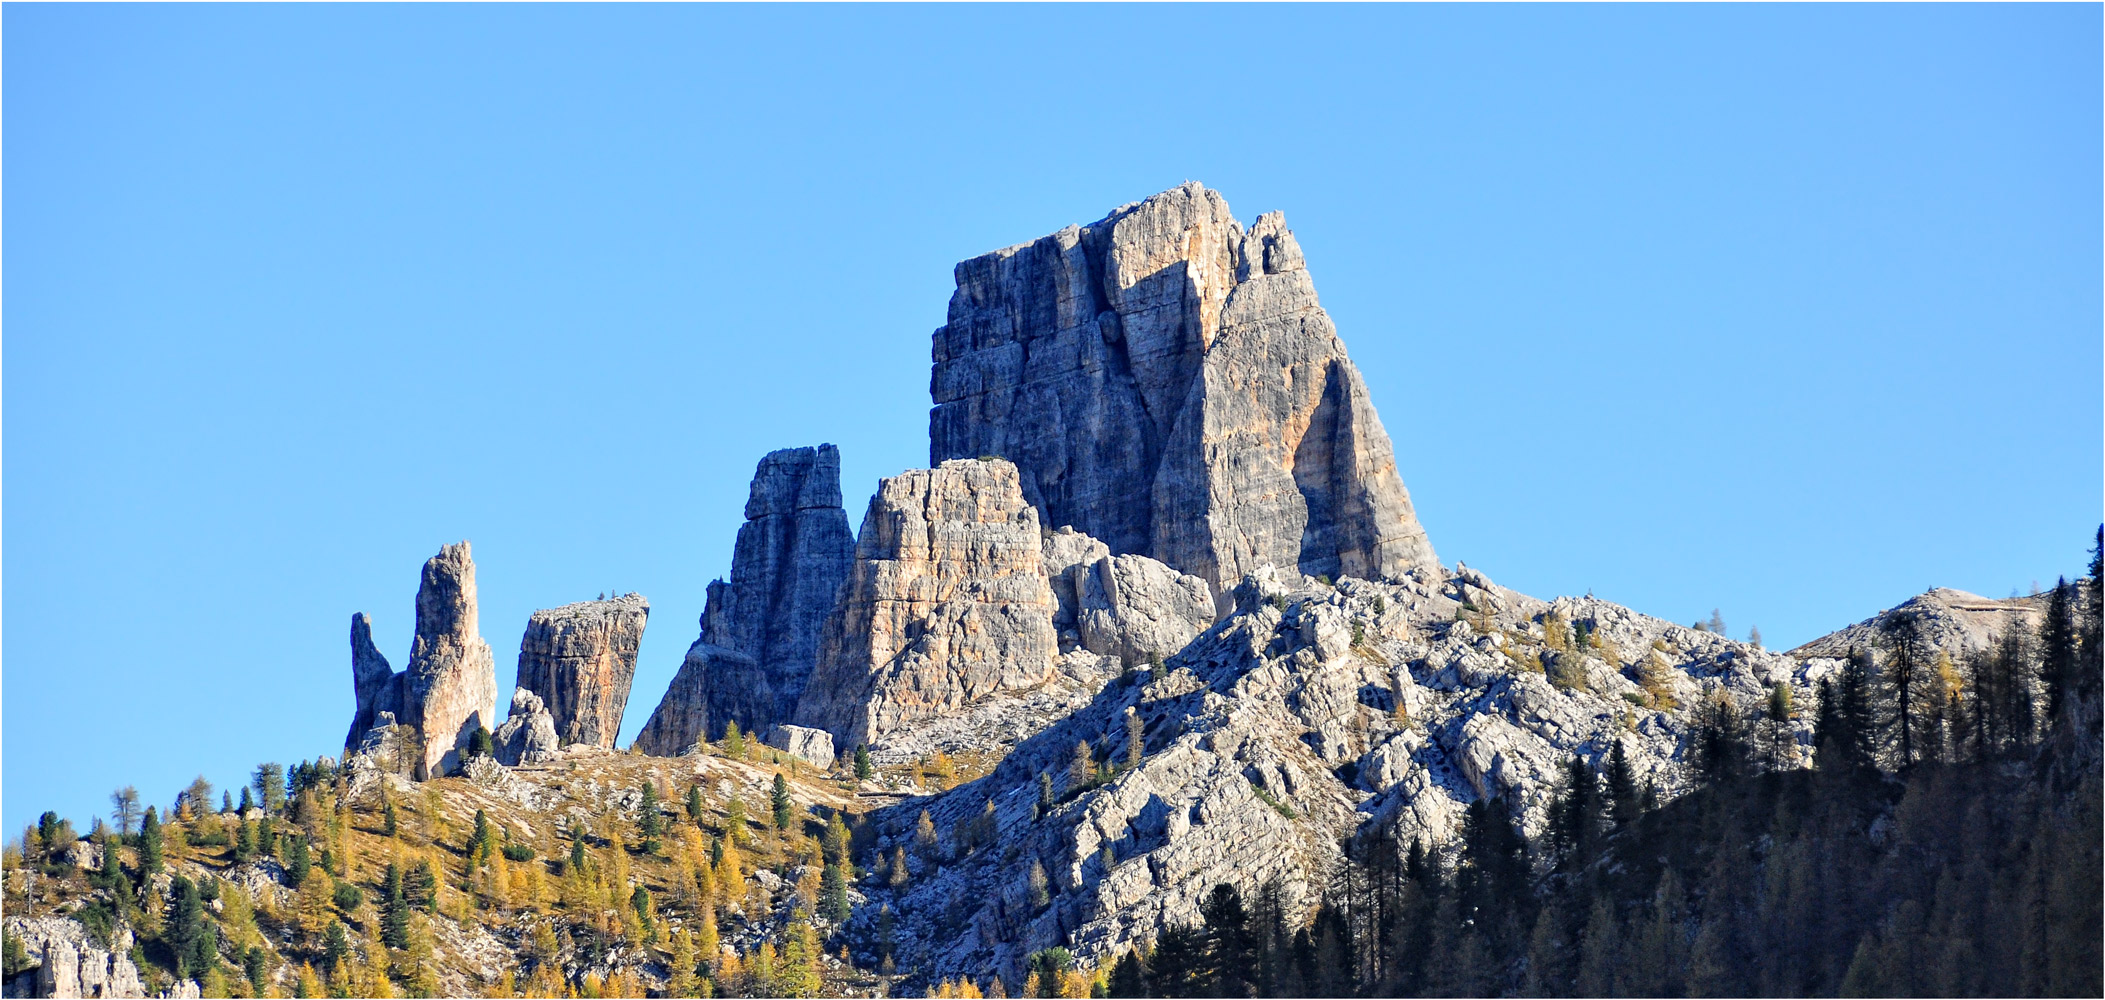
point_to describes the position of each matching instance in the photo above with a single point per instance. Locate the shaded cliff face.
(1168, 384)
(373, 680)
(450, 687)
(946, 605)
(580, 658)
(760, 630)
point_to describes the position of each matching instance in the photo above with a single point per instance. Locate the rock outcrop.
(812, 746)
(450, 686)
(1951, 621)
(1166, 382)
(760, 630)
(72, 964)
(528, 735)
(1130, 607)
(1309, 715)
(374, 681)
(580, 658)
(947, 604)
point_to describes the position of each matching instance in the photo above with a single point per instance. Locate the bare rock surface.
(1130, 607)
(1952, 621)
(761, 629)
(528, 735)
(1166, 382)
(71, 962)
(946, 605)
(1310, 714)
(580, 658)
(450, 686)
(812, 746)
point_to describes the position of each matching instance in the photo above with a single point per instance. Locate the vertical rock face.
(1167, 383)
(580, 658)
(377, 686)
(947, 603)
(760, 630)
(451, 682)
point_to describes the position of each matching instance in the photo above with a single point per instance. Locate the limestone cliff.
(760, 630)
(947, 603)
(580, 658)
(1166, 382)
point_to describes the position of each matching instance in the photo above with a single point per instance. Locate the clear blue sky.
(1789, 311)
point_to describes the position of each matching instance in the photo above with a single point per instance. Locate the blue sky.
(1788, 311)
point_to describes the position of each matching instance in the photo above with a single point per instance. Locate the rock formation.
(374, 681)
(760, 631)
(1311, 714)
(1952, 621)
(528, 735)
(1167, 383)
(71, 963)
(1130, 607)
(450, 686)
(812, 746)
(947, 603)
(580, 658)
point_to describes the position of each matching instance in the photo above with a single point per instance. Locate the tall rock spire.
(1167, 383)
(450, 685)
(760, 630)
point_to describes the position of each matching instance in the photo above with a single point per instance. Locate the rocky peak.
(580, 658)
(760, 630)
(450, 686)
(1167, 383)
(947, 603)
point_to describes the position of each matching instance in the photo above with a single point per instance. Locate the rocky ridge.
(1950, 620)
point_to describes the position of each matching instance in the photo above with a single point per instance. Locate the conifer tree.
(863, 767)
(1136, 739)
(1081, 770)
(734, 743)
(695, 808)
(785, 808)
(388, 824)
(124, 808)
(149, 847)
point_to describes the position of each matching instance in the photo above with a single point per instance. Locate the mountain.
(1156, 635)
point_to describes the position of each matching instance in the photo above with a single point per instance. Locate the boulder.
(1130, 607)
(1166, 382)
(812, 746)
(947, 604)
(528, 735)
(761, 628)
(580, 658)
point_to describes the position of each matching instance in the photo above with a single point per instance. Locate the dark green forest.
(1944, 842)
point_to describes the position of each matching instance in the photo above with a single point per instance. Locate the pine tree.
(1622, 785)
(1136, 739)
(785, 808)
(1040, 890)
(394, 910)
(124, 808)
(1129, 976)
(734, 743)
(695, 808)
(1045, 793)
(2059, 652)
(833, 894)
(925, 837)
(270, 787)
(1230, 950)
(388, 825)
(149, 847)
(863, 768)
(1081, 770)
(299, 864)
